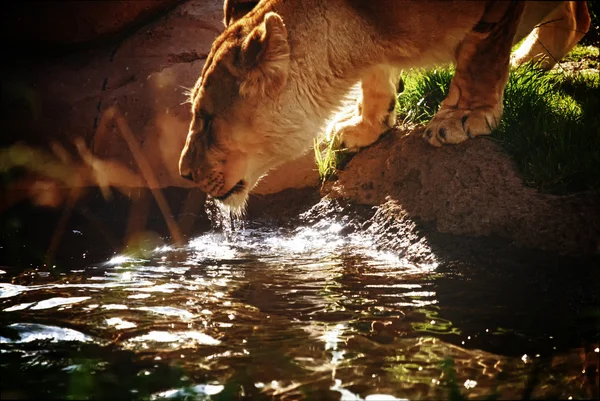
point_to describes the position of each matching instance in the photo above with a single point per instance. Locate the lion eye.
(208, 132)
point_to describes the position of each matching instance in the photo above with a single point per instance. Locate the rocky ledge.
(471, 189)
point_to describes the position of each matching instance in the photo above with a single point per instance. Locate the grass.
(423, 92)
(550, 126)
(330, 157)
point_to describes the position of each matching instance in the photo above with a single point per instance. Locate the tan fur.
(280, 70)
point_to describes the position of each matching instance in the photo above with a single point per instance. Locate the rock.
(60, 23)
(469, 189)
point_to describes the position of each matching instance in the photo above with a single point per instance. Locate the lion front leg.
(473, 106)
(374, 112)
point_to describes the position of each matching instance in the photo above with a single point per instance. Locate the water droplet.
(470, 384)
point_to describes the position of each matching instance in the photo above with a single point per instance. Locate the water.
(310, 311)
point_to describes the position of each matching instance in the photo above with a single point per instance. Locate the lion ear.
(265, 56)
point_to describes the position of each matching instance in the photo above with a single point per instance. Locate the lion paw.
(451, 126)
(355, 132)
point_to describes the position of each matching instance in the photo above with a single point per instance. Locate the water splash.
(221, 218)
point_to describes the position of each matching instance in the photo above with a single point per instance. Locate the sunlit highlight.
(119, 260)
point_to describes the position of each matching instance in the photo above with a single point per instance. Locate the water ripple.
(263, 312)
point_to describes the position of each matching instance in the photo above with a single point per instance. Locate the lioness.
(281, 68)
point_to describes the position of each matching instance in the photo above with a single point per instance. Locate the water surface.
(305, 312)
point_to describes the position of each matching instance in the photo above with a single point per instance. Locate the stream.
(310, 310)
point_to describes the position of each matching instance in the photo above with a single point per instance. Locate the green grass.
(423, 92)
(550, 126)
(583, 52)
(330, 157)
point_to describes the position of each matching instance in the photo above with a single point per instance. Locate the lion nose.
(186, 173)
(188, 176)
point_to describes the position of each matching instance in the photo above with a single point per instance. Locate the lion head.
(243, 122)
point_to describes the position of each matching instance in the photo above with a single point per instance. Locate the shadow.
(96, 228)
(104, 372)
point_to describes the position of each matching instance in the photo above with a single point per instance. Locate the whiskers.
(188, 93)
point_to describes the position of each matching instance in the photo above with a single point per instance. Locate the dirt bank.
(470, 189)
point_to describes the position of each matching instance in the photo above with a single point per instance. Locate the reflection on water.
(304, 313)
